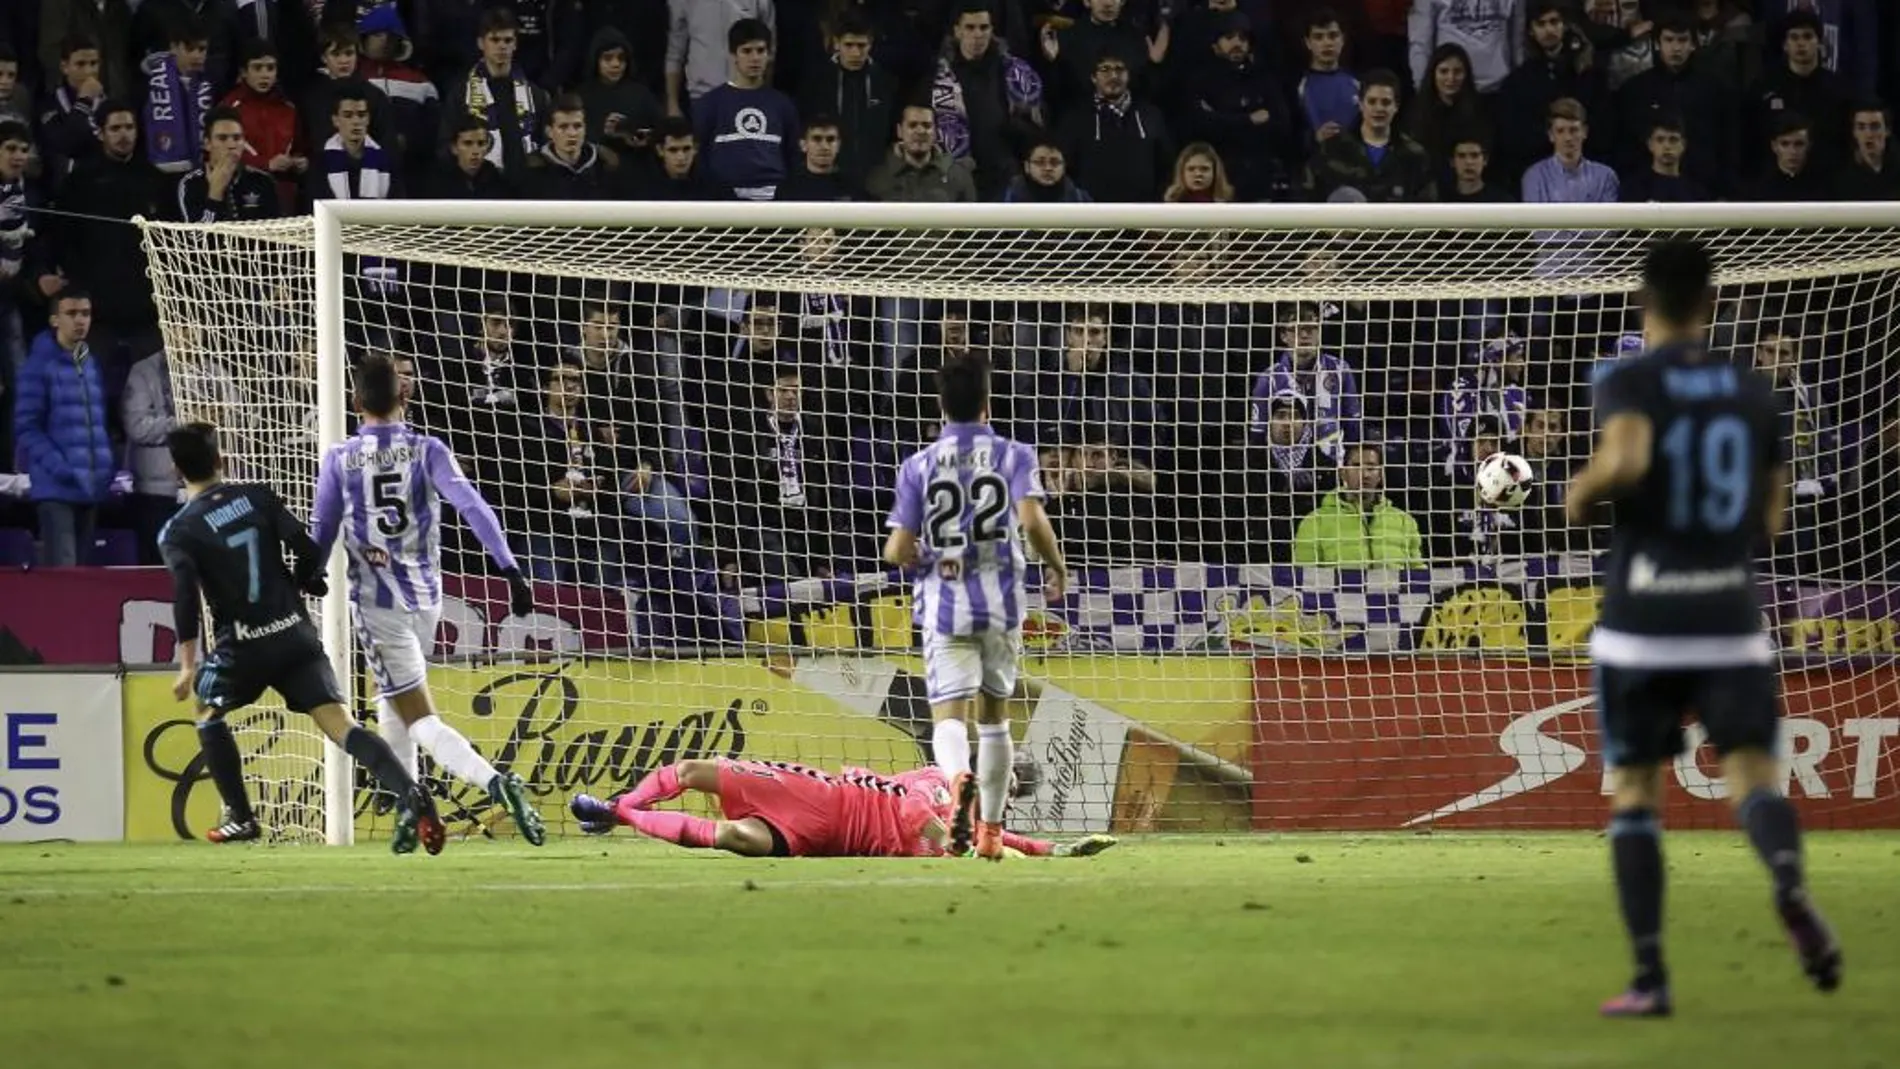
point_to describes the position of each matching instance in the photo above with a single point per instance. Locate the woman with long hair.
(1446, 108)
(1199, 177)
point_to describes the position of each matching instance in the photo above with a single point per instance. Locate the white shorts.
(957, 666)
(397, 644)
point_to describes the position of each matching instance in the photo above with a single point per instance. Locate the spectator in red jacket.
(273, 140)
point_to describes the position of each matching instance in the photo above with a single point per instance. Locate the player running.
(777, 809)
(1689, 455)
(960, 502)
(383, 490)
(227, 543)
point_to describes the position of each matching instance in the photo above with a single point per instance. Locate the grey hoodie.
(1491, 31)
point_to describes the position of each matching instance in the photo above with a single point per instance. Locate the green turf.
(1314, 952)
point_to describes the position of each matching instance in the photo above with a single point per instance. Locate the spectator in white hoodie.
(1490, 31)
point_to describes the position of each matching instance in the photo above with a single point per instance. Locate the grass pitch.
(1314, 952)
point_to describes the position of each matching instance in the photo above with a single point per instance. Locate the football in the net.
(1504, 480)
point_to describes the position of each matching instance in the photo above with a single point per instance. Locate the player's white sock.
(950, 741)
(390, 726)
(995, 753)
(452, 751)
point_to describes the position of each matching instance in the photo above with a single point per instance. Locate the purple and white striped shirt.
(958, 495)
(383, 490)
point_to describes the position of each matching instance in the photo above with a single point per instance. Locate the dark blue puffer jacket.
(59, 424)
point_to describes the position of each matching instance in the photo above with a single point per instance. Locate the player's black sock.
(1636, 848)
(1771, 824)
(373, 753)
(226, 766)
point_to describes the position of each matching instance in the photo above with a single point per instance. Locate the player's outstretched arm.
(1042, 538)
(1621, 461)
(447, 477)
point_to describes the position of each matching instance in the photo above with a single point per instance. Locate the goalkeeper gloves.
(520, 593)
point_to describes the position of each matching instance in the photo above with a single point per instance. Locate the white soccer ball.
(1504, 481)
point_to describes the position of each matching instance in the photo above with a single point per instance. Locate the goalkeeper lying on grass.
(776, 809)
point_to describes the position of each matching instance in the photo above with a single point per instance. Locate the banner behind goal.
(1257, 428)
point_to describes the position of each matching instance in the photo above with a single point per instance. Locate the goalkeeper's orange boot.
(989, 841)
(963, 796)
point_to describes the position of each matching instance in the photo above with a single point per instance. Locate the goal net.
(1257, 428)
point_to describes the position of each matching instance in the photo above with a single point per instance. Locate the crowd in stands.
(751, 436)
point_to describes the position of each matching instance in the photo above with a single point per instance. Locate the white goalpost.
(1257, 425)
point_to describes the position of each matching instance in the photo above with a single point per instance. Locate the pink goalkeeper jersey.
(885, 816)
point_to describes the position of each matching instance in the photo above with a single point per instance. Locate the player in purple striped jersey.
(382, 490)
(960, 502)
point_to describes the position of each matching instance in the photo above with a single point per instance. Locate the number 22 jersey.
(958, 495)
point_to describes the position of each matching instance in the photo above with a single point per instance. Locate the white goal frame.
(332, 216)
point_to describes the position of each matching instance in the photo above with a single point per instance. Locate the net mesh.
(691, 434)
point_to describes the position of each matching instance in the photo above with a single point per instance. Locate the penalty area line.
(762, 883)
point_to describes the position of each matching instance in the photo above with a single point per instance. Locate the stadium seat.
(114, 548)
(16, 548)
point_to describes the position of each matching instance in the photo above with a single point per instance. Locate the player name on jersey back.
(959, 495)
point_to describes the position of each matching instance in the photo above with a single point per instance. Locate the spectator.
(223, 190)
(22, 258)
(819, 177)
(1728, 43)
(1664, 181)
(1490, 31)
(177, 97)
(1324, 385)
(1084, 396)
(626, 421)
(699, 49)
(1199, 178)
(1376, 160)
(745, 127)
(351, 164)
(917, 169)
(105, 22)
(1789, 177)
(99, 251)
(1329, 94)
(69, 124)
(1801, 84)
(859, 91)
(1871, 174)
(1811, 448)
(496, 91)
(467, 174)
(16, 96)
(1045, 178)
(1705, 107)
(1492, 388)
(1850, 37)
(156, 23)
(341, 69)
(488, 395)
(1355, 527)
(1469, 182)
(1235, 105)
(148, 416)
(1461, 529)
(1447, 107)
(1118, 148)
(988, 102)
(59, 430)
(292, 34)
(273, 140)
(1075, 51)
(776, 485)
(1559, 64)
(1542, 527)
(678, 176)
(570, 167)
(415, 107)
(621, 113)
(1102, 502)
(1565, 177)
(575, 533)
(1286, 480)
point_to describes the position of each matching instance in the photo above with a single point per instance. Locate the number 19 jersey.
(958, 495)
(1683, 541)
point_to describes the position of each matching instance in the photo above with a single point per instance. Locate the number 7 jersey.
(958, 495)
(1684, 540)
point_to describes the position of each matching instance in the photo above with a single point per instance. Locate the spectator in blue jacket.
(60, 434)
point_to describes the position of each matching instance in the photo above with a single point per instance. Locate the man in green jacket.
(1355, 526)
